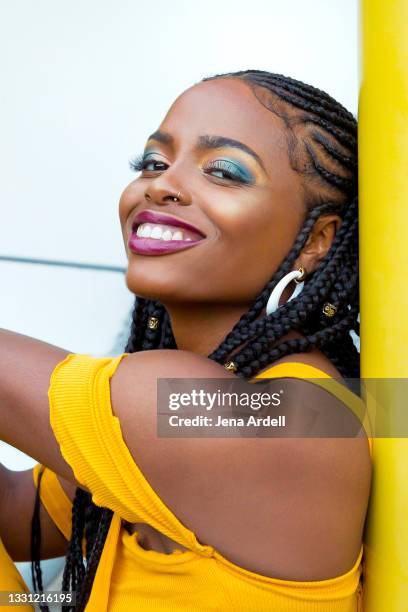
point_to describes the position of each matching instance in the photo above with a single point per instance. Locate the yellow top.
(128, 576)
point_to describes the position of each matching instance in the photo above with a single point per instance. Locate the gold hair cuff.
(230, 366)
(153, 323)
(329, 309)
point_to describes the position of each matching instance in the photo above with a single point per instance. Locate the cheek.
(128, 201)
(257, 233)
(258, 222)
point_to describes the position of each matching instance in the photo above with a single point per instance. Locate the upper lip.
(157, 217)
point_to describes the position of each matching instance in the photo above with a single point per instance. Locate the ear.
(319, 241)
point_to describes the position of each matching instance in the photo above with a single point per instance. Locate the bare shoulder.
(287, 508)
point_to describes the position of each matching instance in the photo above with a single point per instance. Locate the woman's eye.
(141, 163)
(225, 169)
(153, 165)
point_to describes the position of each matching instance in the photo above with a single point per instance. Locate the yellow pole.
(383, 151)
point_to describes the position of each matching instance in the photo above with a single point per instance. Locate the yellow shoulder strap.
(295, 369)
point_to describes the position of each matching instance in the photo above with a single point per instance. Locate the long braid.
(84, 588)
(36, 574)
(138, 325)
(322, 146)
(167, 340)
(152, 337)
(74, 570)
(93, 516)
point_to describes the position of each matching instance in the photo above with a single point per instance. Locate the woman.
(259, 172)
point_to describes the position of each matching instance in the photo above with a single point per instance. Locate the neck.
(200, 328)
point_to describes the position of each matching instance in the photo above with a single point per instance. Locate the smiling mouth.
(165, 232)
(156, 233)
(161, 239)
(156, 225)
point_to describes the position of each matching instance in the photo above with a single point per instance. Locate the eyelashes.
(229, 170)
(136, 163)
(221, 168)
(140, 163)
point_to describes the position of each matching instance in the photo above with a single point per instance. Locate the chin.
(147, 286)
(179, 288)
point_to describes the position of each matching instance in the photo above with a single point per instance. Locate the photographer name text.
(206, 421)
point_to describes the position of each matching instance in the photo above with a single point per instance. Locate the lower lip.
(152, 246)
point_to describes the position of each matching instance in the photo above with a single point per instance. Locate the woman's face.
(243, 196)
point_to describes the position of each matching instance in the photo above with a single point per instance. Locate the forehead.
(226, 107)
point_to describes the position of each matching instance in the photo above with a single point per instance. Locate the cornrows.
(322, 146)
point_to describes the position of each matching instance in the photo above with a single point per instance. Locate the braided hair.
(322, 146)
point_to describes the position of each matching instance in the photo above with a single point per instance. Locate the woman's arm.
(16, 510)
(26, 365)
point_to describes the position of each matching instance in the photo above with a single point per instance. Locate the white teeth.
(146, 230)
(166, 235)
(156, 232)
(160, 232)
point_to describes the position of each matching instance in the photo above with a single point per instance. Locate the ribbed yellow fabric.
(11, 580)
(54, 499)
(132, 578)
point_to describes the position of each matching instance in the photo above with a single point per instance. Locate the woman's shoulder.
(198, 478)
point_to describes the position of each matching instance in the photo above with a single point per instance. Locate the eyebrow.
(210, 142)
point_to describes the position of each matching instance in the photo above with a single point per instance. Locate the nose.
(161, 193)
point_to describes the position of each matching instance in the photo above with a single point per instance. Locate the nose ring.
(177, 197)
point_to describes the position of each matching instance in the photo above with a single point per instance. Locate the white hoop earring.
(296, 275)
